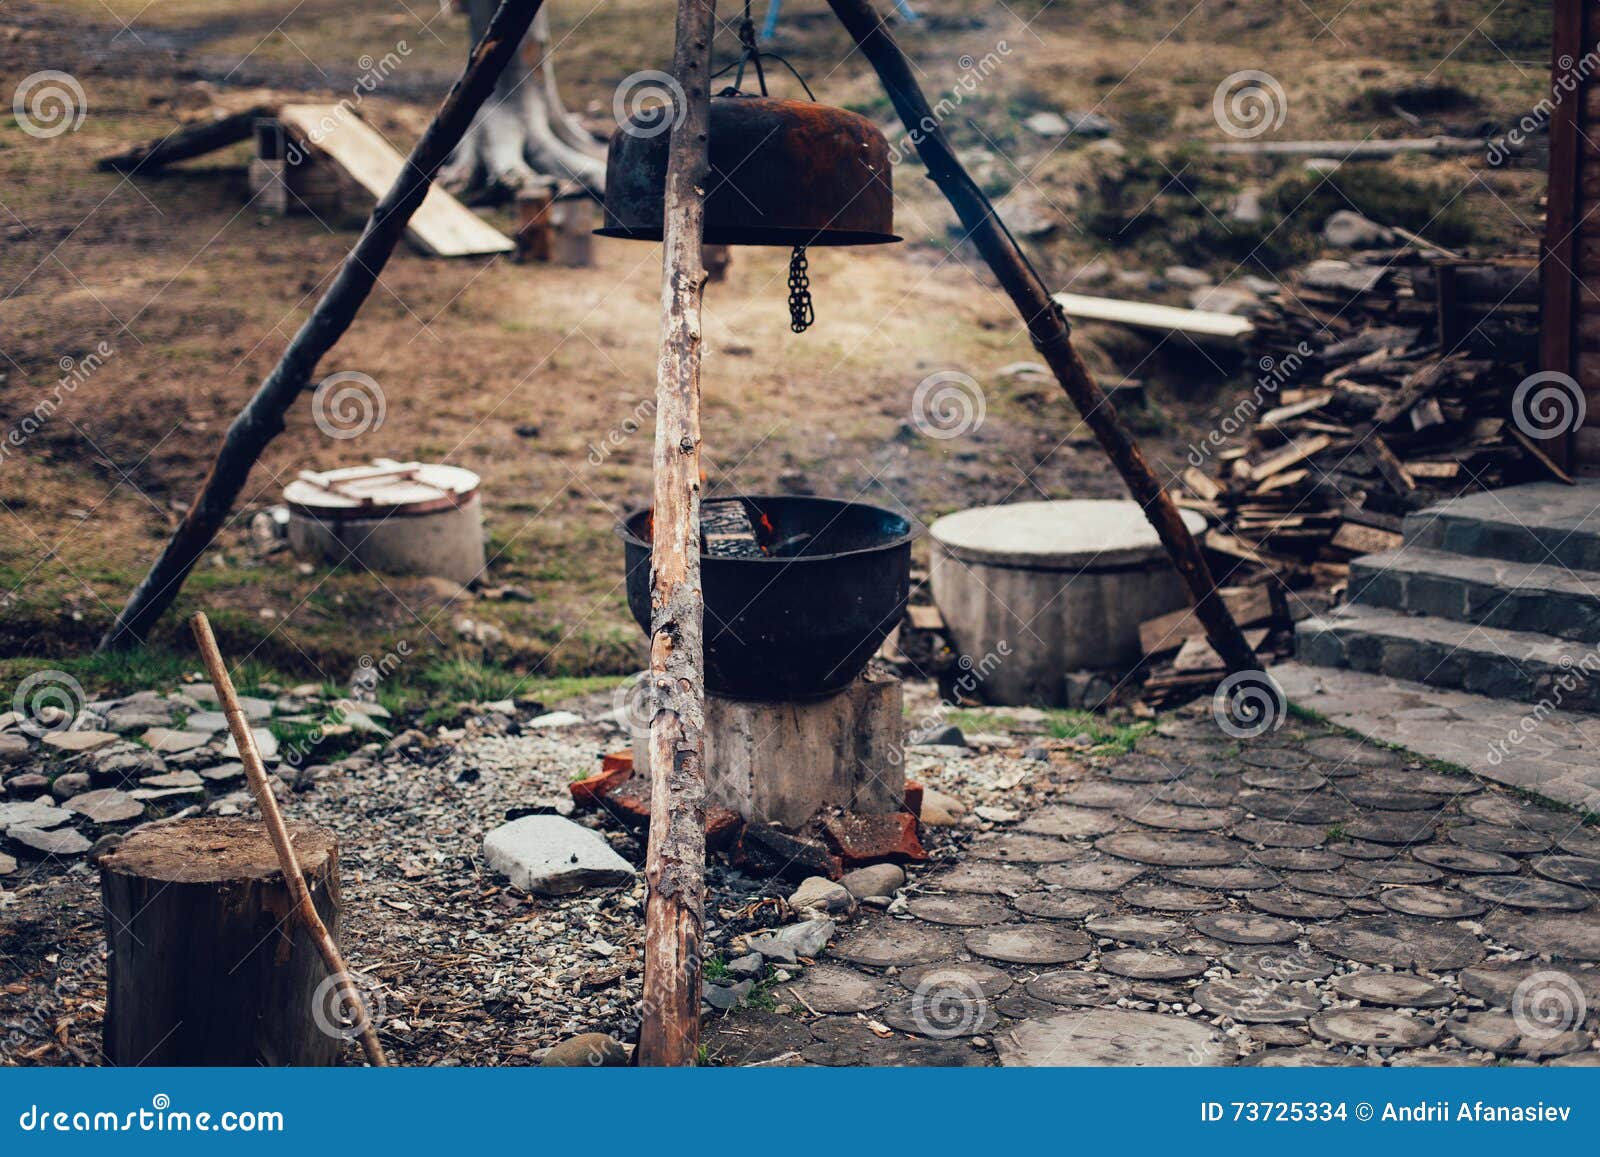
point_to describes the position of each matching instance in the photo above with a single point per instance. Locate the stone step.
(1488, 592)
(1541, 522)
(1443, 653)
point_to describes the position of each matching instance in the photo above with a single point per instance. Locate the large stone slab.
(552, 856)
(1112, 1036)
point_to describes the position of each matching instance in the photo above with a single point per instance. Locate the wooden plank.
(1148, 315)
(1297, 451)
(443, 226)
(1351, 150)
(1358, 539)
(1198, 655)
(1200, 485)
(1249, 605)
(1539, 455)
(1314, 400)
(1392, 469)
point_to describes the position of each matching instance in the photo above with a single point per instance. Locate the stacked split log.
(1385, 385)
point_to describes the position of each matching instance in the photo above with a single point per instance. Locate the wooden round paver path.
(1306, 899)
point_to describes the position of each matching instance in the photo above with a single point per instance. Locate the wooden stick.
(675, 861)
(1046, 322)
(256, 774)
(261, 420)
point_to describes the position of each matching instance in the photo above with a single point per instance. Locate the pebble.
(876, 880)
(787, 945)
(593, 1050)
(823, 895)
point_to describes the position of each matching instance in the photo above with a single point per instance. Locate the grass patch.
(1061, 724)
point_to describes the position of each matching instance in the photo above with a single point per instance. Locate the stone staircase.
(1496, 594)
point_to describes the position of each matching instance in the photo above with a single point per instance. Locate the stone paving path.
(1304, 898)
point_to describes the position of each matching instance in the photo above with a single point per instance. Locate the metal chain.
(801, 315)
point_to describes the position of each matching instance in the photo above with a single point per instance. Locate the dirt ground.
(521, 372)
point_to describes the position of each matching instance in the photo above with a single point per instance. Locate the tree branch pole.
(675, 862)
(262, 418)
(294, 879)
(1046, 322)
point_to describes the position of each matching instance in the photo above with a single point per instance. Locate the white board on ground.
(1149, 315)
(442, 225)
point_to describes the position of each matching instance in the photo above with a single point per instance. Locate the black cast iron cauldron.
(805, 620)
(783, 172)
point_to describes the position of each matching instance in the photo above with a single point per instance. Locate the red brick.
(589, 791)
(874, 839)
(913, 797)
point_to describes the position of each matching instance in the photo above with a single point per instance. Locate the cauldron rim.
(913, 532)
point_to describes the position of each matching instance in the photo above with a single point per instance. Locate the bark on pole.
(669, 1032)
(1046, 322)
(261, 420)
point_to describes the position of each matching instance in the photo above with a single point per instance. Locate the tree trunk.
(524, 135)
(676, 857)
(1047, 324)
(207, 965)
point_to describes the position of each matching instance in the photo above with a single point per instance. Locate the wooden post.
(208, 965)
(1046, 322)
(676, 858)
(262, 418)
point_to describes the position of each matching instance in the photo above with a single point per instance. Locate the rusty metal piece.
(783, 172)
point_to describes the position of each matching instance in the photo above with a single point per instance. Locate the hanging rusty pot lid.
(783, 172)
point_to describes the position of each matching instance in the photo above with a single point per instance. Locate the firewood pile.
(1385, 385)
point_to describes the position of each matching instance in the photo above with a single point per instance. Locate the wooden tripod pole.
(261, 420)
(675, 861)
(1046, 322)
(256, 774)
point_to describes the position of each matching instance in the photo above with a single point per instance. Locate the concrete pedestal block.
(780, 762)
(1034, 590)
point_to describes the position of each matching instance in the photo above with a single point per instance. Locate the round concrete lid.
(1080, 534)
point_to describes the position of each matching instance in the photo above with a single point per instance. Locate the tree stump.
(205, 967)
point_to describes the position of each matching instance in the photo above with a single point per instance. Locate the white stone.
(168, 741)
(789, 945)
(552, 856)
(556, 719)
(266, 743)
(79, 740)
